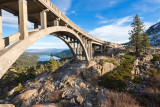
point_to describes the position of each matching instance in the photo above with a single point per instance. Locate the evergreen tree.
(52, 64)
(137, 34)
(51, 55)
(145, 42)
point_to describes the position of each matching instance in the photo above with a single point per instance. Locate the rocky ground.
(76, 84)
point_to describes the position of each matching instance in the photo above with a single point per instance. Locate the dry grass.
(151, 94)
(116, 99)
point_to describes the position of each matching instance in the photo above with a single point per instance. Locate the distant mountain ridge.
(60, 53)
(45, 51)
(154, 35)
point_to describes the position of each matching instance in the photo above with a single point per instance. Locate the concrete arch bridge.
(47, 19)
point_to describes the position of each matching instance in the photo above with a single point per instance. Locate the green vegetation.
(109, 61)
(137, 79)
(4, 96)
(156, 57)
(26, 68)
(19, 87)
(67, 54)
(117, 79)
(26, 60)
(139, 40)
(52, 65)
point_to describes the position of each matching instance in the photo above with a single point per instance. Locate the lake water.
(46, 58)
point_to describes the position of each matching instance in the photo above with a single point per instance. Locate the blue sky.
(108, 20)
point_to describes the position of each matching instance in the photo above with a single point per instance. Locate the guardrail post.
(2, 45)
(43, 16)
(23, 19)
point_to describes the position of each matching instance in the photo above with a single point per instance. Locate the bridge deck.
(37, 6)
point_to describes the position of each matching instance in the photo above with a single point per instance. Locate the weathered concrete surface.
(10, 55)
(51, 20)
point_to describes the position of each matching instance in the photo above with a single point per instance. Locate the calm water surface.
(46, 57)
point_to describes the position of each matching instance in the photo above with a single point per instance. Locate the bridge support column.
(101, 49)
(80, 52)
(23, 19)
(83, 39)
(1, 31)
(43, 16)
(56, 22)
(74, 45)
(91, 51)
(35, 26)
(2, 44)
(77, 50)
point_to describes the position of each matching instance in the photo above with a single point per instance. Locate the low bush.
(117, 79)
(116, 99)
(109, 61)
(19, 87)
(4, 96)
(156, 57)
(150, 97)
(137, 79)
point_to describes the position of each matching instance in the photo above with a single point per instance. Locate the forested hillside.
(26, 60)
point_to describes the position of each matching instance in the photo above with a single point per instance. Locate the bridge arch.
(9, 55)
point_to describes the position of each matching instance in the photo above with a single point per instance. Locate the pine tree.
(137, 34)
(145, 42)
(52, 64)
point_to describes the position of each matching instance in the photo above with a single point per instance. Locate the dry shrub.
(116, 99)
(151, 94)
(56, 96)
(65, 103)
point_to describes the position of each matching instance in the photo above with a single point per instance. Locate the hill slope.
(154, 35)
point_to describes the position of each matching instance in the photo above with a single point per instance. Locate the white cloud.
(73, 12)
(99, 17)
(103, 20)
(117, 31)
(10, 20)
(63, 5)
(124, 20)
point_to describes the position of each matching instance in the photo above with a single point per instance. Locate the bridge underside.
(44, 15)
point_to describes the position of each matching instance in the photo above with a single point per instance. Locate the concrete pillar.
(1, 31)
(77, 50)
(43, 16)
(83, 57)
(2, 44)
(91, 51)
(71, 42)
(66, 25)
(80, 52)
(101, 49)
(67, 37)
(74, 45)
(23, 19)
(35, 26)
(56, 22)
